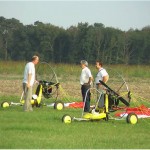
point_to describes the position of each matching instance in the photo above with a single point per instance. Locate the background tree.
(84, 41)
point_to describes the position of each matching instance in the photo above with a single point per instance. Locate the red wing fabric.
(76, 105)
(141, 111)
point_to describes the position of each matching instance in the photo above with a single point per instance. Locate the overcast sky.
(118, 14)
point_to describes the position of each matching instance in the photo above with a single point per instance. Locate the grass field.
(43, 128)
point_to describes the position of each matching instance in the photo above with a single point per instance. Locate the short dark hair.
(100, 63)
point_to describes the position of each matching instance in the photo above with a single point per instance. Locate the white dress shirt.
(85, 75)
(101, 73)
(29, 69)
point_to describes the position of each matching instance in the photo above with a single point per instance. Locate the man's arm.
(105, 79)
(90, 80)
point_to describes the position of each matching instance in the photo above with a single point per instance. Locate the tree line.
(84, 41)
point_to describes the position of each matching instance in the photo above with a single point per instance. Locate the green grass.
(12, 67)
(65, 70)
(43, 129)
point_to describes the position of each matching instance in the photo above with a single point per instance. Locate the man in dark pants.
(84, 89)
(85, 81)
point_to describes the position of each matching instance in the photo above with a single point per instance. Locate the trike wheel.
(59, 105)
(66, 119)
(132, 118)
(5, 104)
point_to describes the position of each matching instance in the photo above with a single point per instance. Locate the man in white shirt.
(85, 81)
(103, 76)
(28, 81)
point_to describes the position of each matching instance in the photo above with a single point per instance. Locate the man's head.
(98, 64)
(84, 63)
(35, 59)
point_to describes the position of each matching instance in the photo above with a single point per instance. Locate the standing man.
(28, 81)
(103, 76)
(85, 81)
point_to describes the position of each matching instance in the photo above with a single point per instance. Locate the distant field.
(43, 128)
(137, 77)
(16, 68)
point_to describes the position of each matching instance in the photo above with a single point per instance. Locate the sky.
(119, 14)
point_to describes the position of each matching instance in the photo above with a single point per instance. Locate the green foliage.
(84, 41)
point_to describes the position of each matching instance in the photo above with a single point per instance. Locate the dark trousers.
(84, 89)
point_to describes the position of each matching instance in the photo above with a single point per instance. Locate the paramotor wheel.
(66, 119)
(59, 105)
(5, 104)
(132, 118)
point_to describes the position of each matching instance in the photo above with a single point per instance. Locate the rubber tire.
(130, 117)
(5, 104)
(59, 105)
(67, 119)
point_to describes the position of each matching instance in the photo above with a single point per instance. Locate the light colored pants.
(100, 96)
(27, 98)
